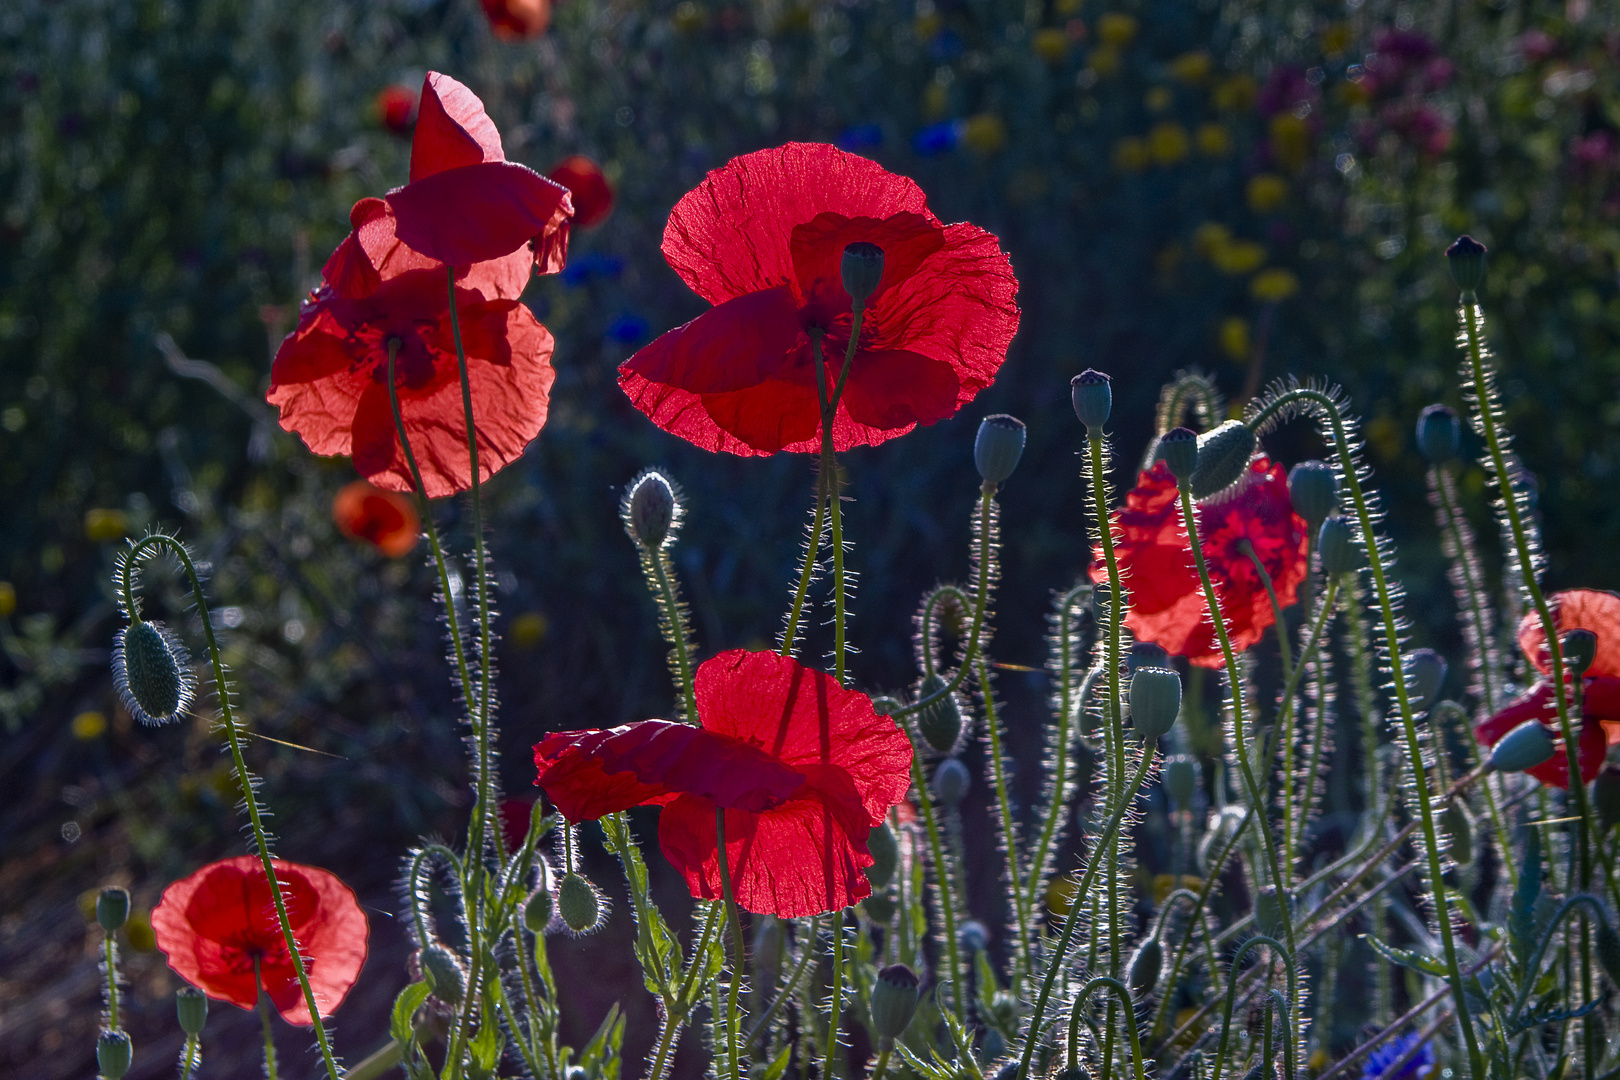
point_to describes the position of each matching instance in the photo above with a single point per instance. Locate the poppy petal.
(897, 389)
(476, 212)
(818, 245)
(732, 346)
(452, 129)
(1583, 609)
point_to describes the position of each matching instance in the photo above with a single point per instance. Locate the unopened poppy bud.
(1439, 434)
(1146, 654)
(1606, 796)
(951, 781)
(112, 908)
(578, 904)
(1092, 393)
(972, 936)
(441, 970)
(1425, 672)
(537, 910)
(1223, 458)
(1608, 951)
(940, 723)
(1467, 258)
(880, 907)
(649, 509)
(1143, 974)
(575, 1072)
(1336, 543)
(152, 673)
(1580, 649)
(862, 270)
(1270, 914)
(1178, 448)
(113, 1052)
(885, 852)
(191, 1006)
(1460, 827)
(1314, 490)
(894, 1001)
(1155, 701)
(997, 448)
(1525, 747)
(1181, 781)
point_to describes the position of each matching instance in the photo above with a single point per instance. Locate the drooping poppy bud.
(537, 910)
(1270, 916)
(191, 1007)
(885, 852)
(1143, 654)
(1460, 828)
(952, 781)
(1525, 747)
(1425, 672)
(940, 724)
(152, 673)
(1467, 258)
(1178, 448)
(1181, 781)
(112, 908)
(1143, 974)
(894, 1001)
(862, 270)
(113, 1053)
(579, 905)
(1439, 434)
(1580, 649)
(1336, 544)
(1092, 393)
(1314, 491)
(997, 448)
(1155, 701)
(650, 509)
(1223, 458)
(442, 971)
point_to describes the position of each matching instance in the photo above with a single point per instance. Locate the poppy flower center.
(403, 337)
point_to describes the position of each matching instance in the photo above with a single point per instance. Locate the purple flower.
(1380, 1061)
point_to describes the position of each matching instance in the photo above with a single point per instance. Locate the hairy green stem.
(677, 626)
(790, 636)
(263, 1002)
(733, 1021)
(1103, 982)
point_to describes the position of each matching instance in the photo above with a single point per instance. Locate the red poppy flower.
(1166, 599)
(592, 194)
(1575, 609)
(513, 20)
(803, 768)
(385, 519)
(213, 925)
(330, 375)
(395, 107)
(762, 239)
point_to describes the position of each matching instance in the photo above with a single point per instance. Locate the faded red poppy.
(803, 768)
(396, 106)
(330, 376)
(513, 20)
(592, 194)
(213, 925)
(762, 239)
(385, 519)
(1166, 599)
(1575, 609)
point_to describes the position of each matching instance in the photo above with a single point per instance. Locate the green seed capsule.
(951, 781)
(998, 447)
(1525, 747)
(1181, 781)
(861, 270)
(940, 724)
(577, 902)
(1143, 974)
(1439, 434)
(1580, 649)
(112, 908)
(537, 910)
(1314, 491)
(1178, 449)
(1425, 672)
(894, 1001)
(1155, 701)
(1092, 394)
(1467, 259)
(191, 1006)
(1336, 544)
(113, 1053)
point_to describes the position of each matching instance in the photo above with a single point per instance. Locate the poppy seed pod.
(649, 509)
(1270, 916)
(880, 907)
(441, 970)
(1146, 654)
(1336, 543)
(113, 1053)
(152, 672)
(1314, 491)
(1467, 258)
(1439, 434)
(1580, 649)
(112, 908)
(537, 910)
(578, 904)
(951, 781)
(1092, 394)
(1525, 747)
(862, 270)
(1178, 448)
(1608, 951)
(1143, 974)
(1606, 796)
(894, 1001)
(191, 1006)
(940, 724)
(885, 852)
(1425, 672)
(1181, 781)
(1155, 701)
(997, 448)
(1223, 458)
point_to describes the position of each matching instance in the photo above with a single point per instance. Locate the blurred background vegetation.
(1256, 188)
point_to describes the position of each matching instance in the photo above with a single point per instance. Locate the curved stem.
(1231, 990)
(1103, 982)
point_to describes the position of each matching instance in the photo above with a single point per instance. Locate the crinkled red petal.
(817, 248)
(477, 212)
(1582, 609)
(736, 345)
(452, 130)
(897, 389)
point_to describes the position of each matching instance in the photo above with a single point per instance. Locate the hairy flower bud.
(951, 781)
(1314, 490)
(1143, 654)
(1336, 543)
(113, 1053)
(862, 270)
(1155, 701)
(650, 509)
(1439, 434)
(1580, 649)
(152, 673)
(537, 910)
(1178, 448)
(1525, 747)
(940, 724)
(1425, 672)
(442, 971)
(578, 904)
(1092, 393)
(1143, 974)
(894, 1001)
(112, 908)
(885, 852)
(191, 1006)
(1223, 458)
(997, 448)
(1467, 258)
(1606, 796)
(1460, 828)
(1181, 781)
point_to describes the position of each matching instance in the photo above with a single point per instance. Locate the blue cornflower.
(1381, 1059)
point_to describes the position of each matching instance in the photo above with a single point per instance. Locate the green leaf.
(484, 1049)
(1429, 965)
(405, 1005)
(600, 1058)
(934, 1070)
(656, 949)
(964, 1045)
(779, 1065)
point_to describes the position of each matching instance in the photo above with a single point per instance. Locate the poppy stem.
(263, 1002)
(733, 1020)
(829, 472)
(110, 961)
(1070, 703)
(1456, 536)
(1285, 707)
(1103, 982)
(835, 999)
(790, 635)
(943, 875)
